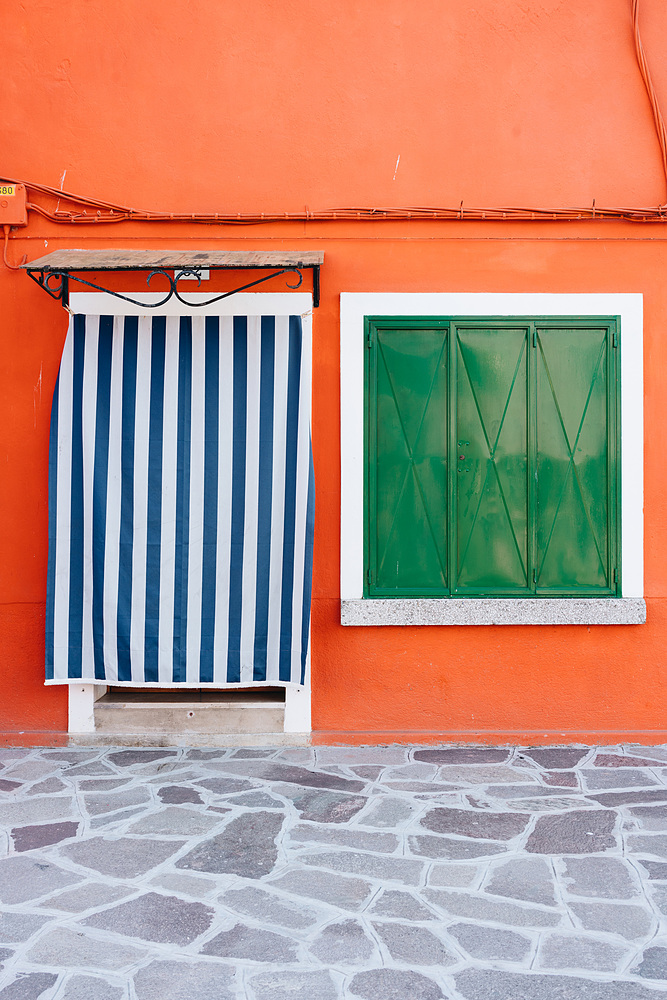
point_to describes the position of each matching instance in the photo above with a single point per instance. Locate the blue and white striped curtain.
(181, 502)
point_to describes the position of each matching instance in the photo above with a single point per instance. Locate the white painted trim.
(240, 304)
(495, 611)
(81, 701)
(355, 306)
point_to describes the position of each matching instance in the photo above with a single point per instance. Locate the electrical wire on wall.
(91, 211)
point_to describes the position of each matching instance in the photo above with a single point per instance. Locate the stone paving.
(380, 873)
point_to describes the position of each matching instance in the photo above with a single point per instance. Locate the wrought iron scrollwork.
(60, 290)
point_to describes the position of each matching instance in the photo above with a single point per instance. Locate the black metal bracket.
(58, 289)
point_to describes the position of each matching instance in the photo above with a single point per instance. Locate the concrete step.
(185, 713)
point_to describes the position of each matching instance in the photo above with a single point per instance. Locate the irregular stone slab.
(614, 760)
(16, 927)
(113, 819)
(293, 986)
(27, 838)
(253, 944)
(370, 865)
(482, 984)
(48, 787)
(153, 917)
(5, 953)
(579, 952)
(124, 858)
(255, 800)
(657, 870)
(629, 921)
(247, 847)
(555, 804)
(653, 964)
(348, 893)
(87, 896)
(461, 755)
(475, 823)
(126, 758)
(556, 758)
(267, 907)
(275, 771)
(102, 784)
(604, 878)
(453, 875)
(393, 903)
(69, 756)
(388, 812)
(96, 767)
(223, 786)
(423, 787)
(207, 754)
(369, 771)
(417, 771)
(630, 798)
(8, 786)
(184, 981)
(613, 778)
(580, 832)
(490, 943)
(177, 794)
(463, 904)
(478, 775)
(454, 850)
(29, 986)
(648, 844)
(521, 792)
(105, 802)
(651, 817)
(660, 897)
(524, 878)
(381, 842)
(325, 807)
(176, 821)
(414, 945)
(28, 878)
(63, 946)
(252, 752)
(30, 770)
(394, 984)
(564, 779)
(362, 755)
(91, 988)
(343, 943)
(190, 885)
(38, 810)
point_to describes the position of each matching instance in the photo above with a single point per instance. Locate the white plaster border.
(82, 697)
(354, 307)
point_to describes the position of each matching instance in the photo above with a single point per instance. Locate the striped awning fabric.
(181, 502)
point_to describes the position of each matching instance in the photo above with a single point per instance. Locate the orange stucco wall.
(192, 107)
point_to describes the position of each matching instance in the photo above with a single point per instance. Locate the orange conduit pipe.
(95, 211)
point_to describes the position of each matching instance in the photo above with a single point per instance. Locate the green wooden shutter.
(575, 526)
(491, 444)
(407, 461)
(492, 457)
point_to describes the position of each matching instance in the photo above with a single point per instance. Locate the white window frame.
(628, 609)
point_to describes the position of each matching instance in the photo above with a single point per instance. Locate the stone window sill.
(494, 611)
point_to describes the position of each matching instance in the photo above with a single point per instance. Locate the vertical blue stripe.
(100, 478)
(182, 544)
(240, 406)
(154, 512)
(75, 630)
(293, 387)
(129, 398)
(308, 565)
(49, 629)
(210, 514)
(265, 480)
